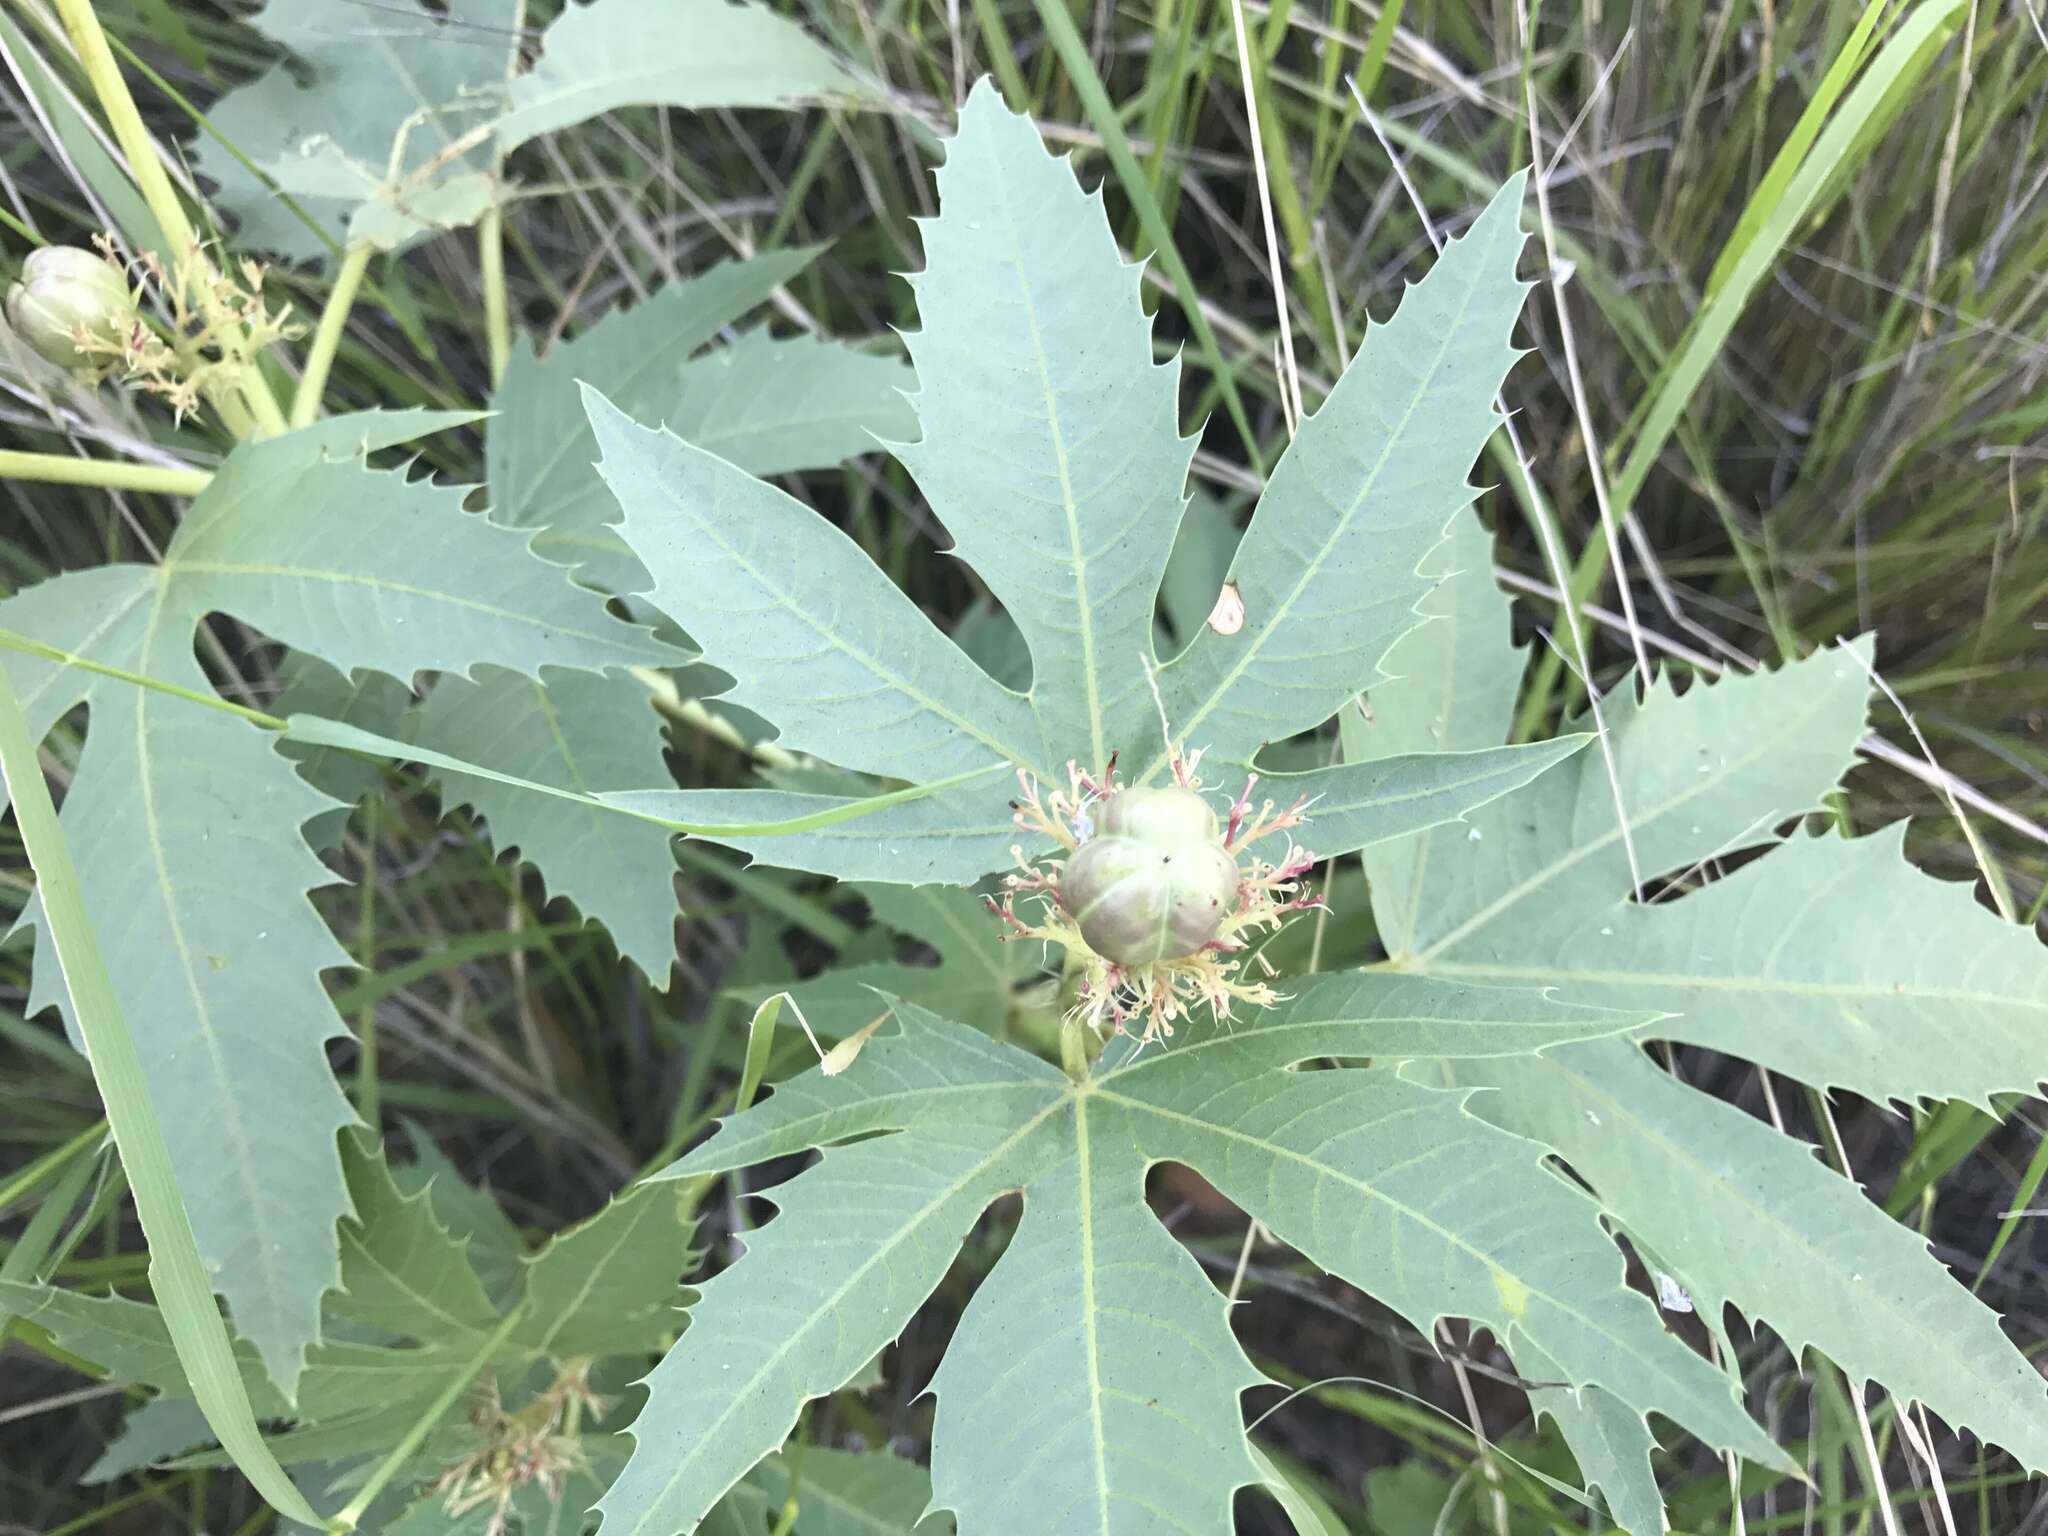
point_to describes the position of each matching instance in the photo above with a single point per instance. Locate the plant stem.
(490, 237)
(177, 1276)
(423, 1426)
(333, 321)
(115, 474)
(139, 150)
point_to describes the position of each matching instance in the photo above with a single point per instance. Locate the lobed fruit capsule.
(64, 290)
(1155, 881)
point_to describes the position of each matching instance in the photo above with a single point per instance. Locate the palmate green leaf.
(769, 405)
(494, 1248)
(1828, 959)
(369, 138)
(1093, 1379)
(389, 121)
(401, 1271)
(186, 821)
(612, 1283)
(578, 732)
(600, 56)
(370, 700)
(129, 1339)
(851, 1493)
(1330, 569)
(1048, 446)
(971, 983)
(772, 405)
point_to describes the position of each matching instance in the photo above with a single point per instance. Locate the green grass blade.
(1073, 53)
(1717, 317)
(176, 1274)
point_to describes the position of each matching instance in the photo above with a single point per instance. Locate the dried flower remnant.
(536, 1444)
(1156, 901)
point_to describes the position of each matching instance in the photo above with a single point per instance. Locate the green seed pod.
(1155, 881)
(62, 289)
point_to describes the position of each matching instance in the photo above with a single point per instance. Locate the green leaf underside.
(611, 1283)
(970, 984)
(574, 732)
(679, 53)
(388, 122)
(1330, 569)
(195, 862)
(338, 1381)
(1610, 1439)
(847, 1493)
(401, 1271)
(1388, 1183)
(331, 141)
(1048, 445)
(1828, 959)
(769, 406)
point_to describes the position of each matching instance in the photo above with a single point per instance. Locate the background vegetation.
(1861, 447)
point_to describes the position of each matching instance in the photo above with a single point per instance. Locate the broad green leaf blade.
(862, 1238)
(1330, 569)
(1404, 1192)
(1359, 805)
(1093, 1382)
(369, 700)
(494, 1247)
(851, 1493)
(817, 638)
(371, 570)
(954, 836)
(195, 860)
(400, 1269)
(1453, 690)
(772, 406)
(377, 131)
(130, 1340)
(607, 54)
(924, 1071)
(611, 1283)
(539, 449)
(971, 983)
(160, 1429)
(1749, 1217)
(1781, 963)
(1050, 444)
(576, 732)
(1387, 1017)
(185, 825)
(1610, 1440)
(1702, 775)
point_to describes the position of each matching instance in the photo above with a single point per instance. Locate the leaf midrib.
(1313, 568)
(246, 1173)
(1761, 744)
(1069, 507)
(736, 1393)
(1903, 1318)
(1447, 1235)
(710, 528)
(408, 589)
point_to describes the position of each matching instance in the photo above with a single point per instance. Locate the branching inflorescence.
(1158, 905)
